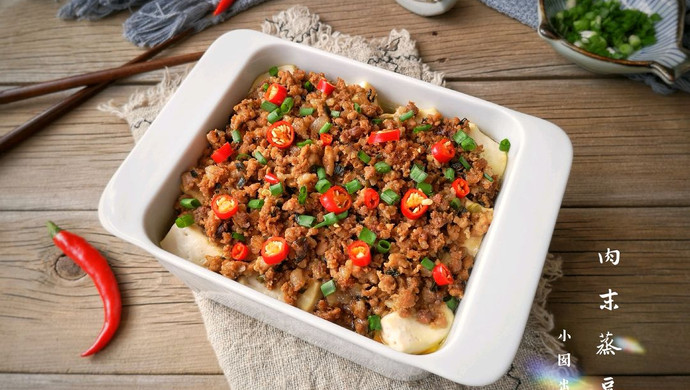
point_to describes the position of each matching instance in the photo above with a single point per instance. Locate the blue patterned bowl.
(666, 58)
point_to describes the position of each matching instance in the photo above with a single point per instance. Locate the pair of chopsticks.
(95, 81)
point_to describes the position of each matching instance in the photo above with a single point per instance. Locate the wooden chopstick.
(24, 131)
(42, 88)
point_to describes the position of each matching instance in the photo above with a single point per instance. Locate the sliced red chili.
(414, 204)
(240, 251)
(336, 200)
(275, 93)
(275, 250)
(224, 206)
(326, 139)
(359, 253)
(281, 134)
(384, 136)
(325, 87)
(461, 187)
(442, 275)
(271, 178)
(443, 150)
(371, 198)
(221, 154)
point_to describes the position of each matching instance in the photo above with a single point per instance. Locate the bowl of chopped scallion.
(618, 36)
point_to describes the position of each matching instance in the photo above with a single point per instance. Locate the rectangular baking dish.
(137, 205)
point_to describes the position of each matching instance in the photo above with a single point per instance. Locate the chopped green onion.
(427, 263)
(417, 174)
(459, 137)
(328, 219)
(389, 196)
(358, 108)
(304, 111)
(274, 116)
(256, 204)
(343, 215)
(487, 177)
(353, 186)
(456, 203)
(238, 236)
(242, 156)
(367, 236)
(321, 173)
(452, 303)
(374, 322)
(426, 188)
(335, 113)
(236, 136)
(305, 220)
(363, 156)
(421, 128)
(190, 203)
(383, 246)
(324, 129)
(406, 116)
(268, 106)
(468, 144)
(474, 208)
(260, 157)
(308, 86)
(504, 146)
(382, 167)
(323, 185)
(305, 143)
(328, 288)
(184, 220)
(287, 104)
(449, 173)
(276, 189)
(273, 71)
(265, 87)
(302, 197)
(377, 121)
(465, 163)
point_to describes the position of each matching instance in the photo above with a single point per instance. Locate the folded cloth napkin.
(254, 355)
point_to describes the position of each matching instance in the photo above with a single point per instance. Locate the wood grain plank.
(56, 48)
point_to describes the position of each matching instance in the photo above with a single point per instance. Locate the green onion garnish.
(406, 116)
(389, 196)
(265, 87)
(256, 204)
(343, 215)
(236, 136)
(273, 71)
(302, 197)
(487, 177)
(459, 137)
(274, 116)
(417, 174)
(426, 188)
(504, 146)
(353, 186)
(374, 322)
(276, 189)
(321, 173)
(268, 106)
(184, 220)
(305, 143)
(324, 129)
(287, 104)
(456, 203)
(328, 288)
(238, 236)
(305, 220)
(383, 246)
(260, 157)
(427, 263)
(190, 203)
(452, 303)
(382, 167)
(304, 111)
(358, 108)
(363, 156)
(323, 185)
(449, 173)
(242, 156)
(465, 163)
(421, 128)
(367, 236)
(335, 113)
(308, 86)
(328, 219)
(468, 144)
(377, 121)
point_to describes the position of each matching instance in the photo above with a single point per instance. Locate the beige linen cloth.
(254, 355)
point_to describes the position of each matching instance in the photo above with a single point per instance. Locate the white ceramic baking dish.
(137, 206)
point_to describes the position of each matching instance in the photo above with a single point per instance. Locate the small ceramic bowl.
(666, 58)
(427, 7)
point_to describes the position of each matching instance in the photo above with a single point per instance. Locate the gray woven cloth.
(254, 355)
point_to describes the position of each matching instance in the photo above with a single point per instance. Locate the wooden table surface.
(628, 191)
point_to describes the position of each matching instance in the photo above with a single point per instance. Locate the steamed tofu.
(190, 243)
(495, 158)
(410, 336)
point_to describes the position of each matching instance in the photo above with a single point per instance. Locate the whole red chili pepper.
(96, 266)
